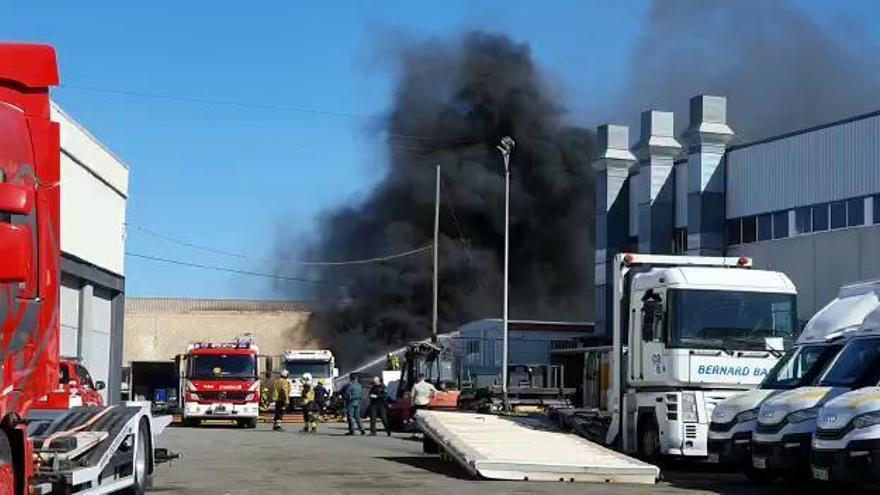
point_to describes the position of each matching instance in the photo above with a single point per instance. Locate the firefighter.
(309, 405)
(321, 396)
(392, 362)
(378, 406)
(353, 395)
(280, 394)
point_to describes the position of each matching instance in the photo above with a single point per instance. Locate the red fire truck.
(220, 381)
(81, 450)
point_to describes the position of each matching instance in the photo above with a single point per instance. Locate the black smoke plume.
(455, 99)
(453, 103)
(780, 69)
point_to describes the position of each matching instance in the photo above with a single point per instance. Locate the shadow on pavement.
(432, 464)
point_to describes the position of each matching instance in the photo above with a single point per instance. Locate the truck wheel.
(192, 422)
(251, 423)
(758, 476)
(7, 468)
(649, 440)
(140, 465)
(429, 446)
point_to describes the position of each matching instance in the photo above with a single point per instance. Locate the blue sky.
(231, 177)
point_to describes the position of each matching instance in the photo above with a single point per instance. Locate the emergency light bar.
(630, 259)
(219, 345)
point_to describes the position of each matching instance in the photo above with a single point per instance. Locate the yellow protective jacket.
(280, 390)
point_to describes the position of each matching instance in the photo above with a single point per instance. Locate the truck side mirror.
(16, 200)
(647, 321)
(335, 372)
(100, 385)
(16, 251)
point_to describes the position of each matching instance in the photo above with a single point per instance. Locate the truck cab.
(319, 364)
(75, 388)
(782, 441)
(688, 333)
(734, 420)
(220, 381)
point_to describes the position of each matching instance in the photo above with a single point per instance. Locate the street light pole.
(505, 147)
(436, 253)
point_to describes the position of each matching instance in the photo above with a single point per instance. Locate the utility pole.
(505, 147)
(436, 252)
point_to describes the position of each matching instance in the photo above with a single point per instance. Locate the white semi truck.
(688, 333)
(319, 364)
(783, 437)
(734, 420)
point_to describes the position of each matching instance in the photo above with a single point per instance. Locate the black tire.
(140, 463)
(247, 423)
(192, 422)
(760, 476)
(429, 446)
(649, 440)
(7, 463)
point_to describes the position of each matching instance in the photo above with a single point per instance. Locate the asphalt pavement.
(227, 460)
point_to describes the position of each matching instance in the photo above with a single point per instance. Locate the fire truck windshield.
(222, 367)
(318, 369)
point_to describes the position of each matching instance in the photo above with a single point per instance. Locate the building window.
(876, 209)
(473, 347)
(679, 241)
(803, 223)
(765, 227)
(562, 344)
(838, 215)
(734, 231)
(820, 217)
(749, 229)
(855, 212)
(780, 225)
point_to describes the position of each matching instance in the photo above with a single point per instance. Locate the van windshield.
(800, 366)
(721, 319)
(857, 365)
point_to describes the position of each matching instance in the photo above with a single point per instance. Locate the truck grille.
(690, 431)
(770, 429)
(832, 434)
(231, 395)
(721, 427)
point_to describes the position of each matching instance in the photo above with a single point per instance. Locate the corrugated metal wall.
(828, 164)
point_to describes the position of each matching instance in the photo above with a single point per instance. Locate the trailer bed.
(527, 449)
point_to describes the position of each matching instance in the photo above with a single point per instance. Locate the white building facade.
(94, 192)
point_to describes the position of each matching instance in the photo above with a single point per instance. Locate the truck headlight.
(866, 420)
(688, 407)
(746, 416)
(249, 397)
(804, 415)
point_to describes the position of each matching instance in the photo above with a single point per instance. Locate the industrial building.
(478, 346)
(157, 329)
(806, 202)
(94, 192)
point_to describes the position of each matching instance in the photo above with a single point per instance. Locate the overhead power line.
(233, 270)
(193, 245)
(242, 104)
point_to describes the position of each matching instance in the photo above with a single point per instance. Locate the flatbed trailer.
(527, 449)
(95, 450)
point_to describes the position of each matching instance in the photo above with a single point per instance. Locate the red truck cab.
(75, 388)
(220, 381)
(29, 249)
